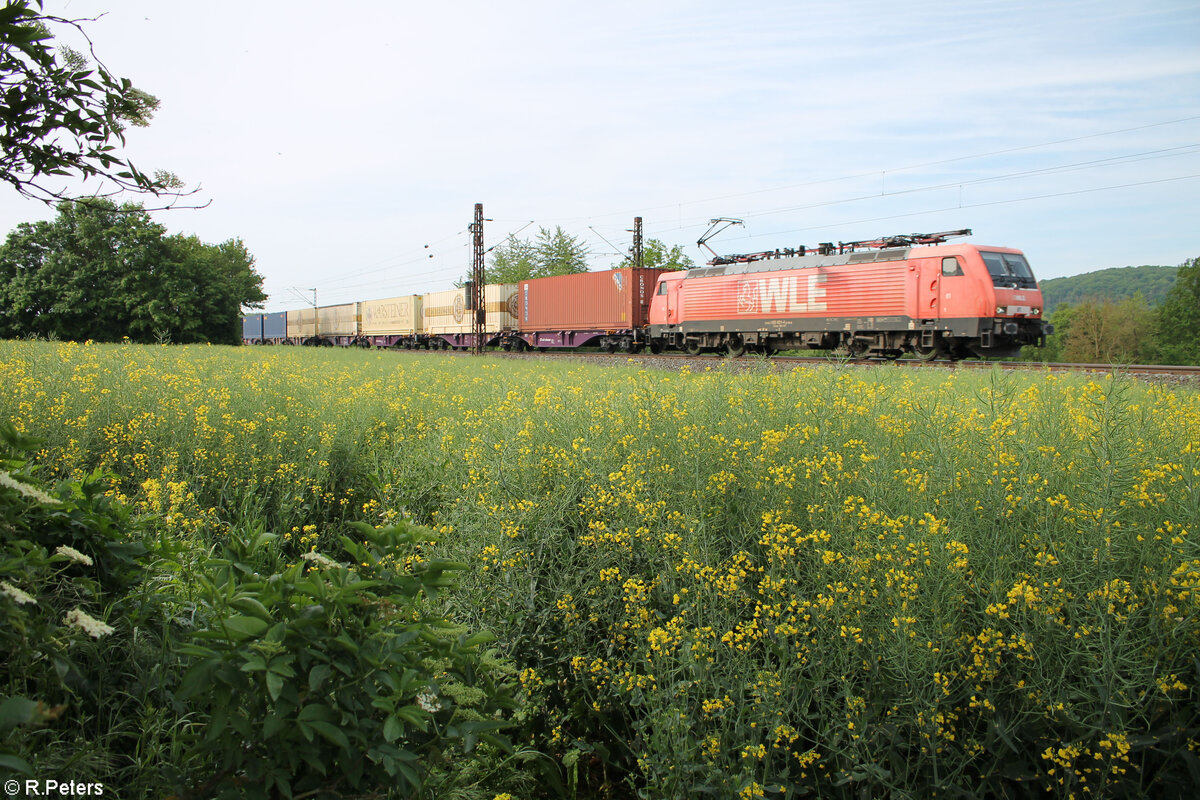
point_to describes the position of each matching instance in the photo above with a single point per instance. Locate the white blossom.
(74, 555)
(92, 627)
(427, 699)
(18, 596)
(27, 490)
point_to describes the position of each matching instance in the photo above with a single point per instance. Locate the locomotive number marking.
(782, 295)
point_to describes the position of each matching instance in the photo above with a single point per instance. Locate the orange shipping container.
(612, 300)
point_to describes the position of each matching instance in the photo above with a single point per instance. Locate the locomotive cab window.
(951, 266)
(662, 288)
(1009, 269)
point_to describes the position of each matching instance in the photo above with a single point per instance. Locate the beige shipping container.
(339, 320)
(447, 312)
(394, 315)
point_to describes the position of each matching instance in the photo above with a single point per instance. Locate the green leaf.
(15, 711)
(393, 729)
(273, 724)
(332, 734)
(317, 676)
(409, 774)
(199, 677)
(483, 637)
(274, 685)
(413, 716)
(253, 607)
(316, 712)
(242, 627)
(16, 764)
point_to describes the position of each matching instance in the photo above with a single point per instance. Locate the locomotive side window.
(951, 266)
(662, 288)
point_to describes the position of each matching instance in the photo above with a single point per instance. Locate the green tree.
(199, 298)
(1178, 317)
(552, 253)
(1104, 331)
(512, 261)
(559, 253)
(61, 117)
(656, 254)
(103, 272)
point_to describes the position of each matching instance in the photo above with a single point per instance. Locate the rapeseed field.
(836, 581)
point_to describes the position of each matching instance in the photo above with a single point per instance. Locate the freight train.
(900, 295)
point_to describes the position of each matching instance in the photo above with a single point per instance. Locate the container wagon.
(448, 320)
(265, 328)
(393, 322)
(327, 325)
(609, 309)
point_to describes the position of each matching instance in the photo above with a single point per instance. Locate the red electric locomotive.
(885, 297)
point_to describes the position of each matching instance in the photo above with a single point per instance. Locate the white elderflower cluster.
(74, 555)
(27, 490)
(89, 625)
(427, 699)
(19, 597)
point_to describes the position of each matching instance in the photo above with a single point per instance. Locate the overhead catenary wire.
(391, 265)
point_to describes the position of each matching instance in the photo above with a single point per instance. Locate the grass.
(833, 581)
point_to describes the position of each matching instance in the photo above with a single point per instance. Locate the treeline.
(1118, 283)
(559, 253)
(107, 273)
(1101, 328)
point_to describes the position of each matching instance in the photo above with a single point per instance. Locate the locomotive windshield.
(1009, 270)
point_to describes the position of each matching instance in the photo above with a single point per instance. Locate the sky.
(346, 146)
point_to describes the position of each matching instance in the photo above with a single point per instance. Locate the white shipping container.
(394, 315)
(447, 312)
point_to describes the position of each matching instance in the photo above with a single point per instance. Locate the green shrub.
(76, 660)
(337, 674)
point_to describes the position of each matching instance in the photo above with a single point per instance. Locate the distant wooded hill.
(1115, 284)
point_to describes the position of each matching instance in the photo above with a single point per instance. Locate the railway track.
(1183, 375)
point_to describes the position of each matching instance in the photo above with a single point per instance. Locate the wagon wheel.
(735, 346)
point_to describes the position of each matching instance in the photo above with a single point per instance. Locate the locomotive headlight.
(999, 309)
(1037, 311)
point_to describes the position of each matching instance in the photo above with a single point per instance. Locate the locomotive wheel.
(656, 346)
(735, 346)
(692, 348)
(928, 353)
